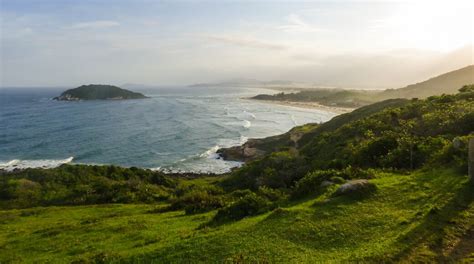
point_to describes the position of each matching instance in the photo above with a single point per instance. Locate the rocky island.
(98, 92)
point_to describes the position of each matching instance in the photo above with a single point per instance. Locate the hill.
(385, 183)
(257, 148)
(98, 92)
(422, 217)
(447, 83)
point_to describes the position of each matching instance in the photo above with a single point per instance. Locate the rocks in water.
(356, 187)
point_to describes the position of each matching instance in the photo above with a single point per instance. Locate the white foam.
(41, 163)
(293, 119)
(250, 114)
(247, 124)
(210, 153)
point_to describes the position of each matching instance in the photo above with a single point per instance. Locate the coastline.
(307, 105)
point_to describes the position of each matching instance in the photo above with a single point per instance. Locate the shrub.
(273, 195)
(24, 192)
(337, 180)
(277, 170)
(250, 204)
(82, 184)
(240, 193)
(355, 173)
(197, 201)
(310, 183)
(455, 156)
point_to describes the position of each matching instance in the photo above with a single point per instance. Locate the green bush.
(337, 180)
(23, 192)
(310, 183)
(354, 173)
(240, 193)
(82, 184)
(197, 198)
(277, 170)
(273, 195)
(200, 201)
(250, 204)
(453, 155)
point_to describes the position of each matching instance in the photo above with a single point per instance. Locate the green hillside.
(328, 97)
(419, 217)
(98, 92)
(386, 183)
(447, 83)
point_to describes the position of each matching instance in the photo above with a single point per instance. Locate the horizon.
(343, 44)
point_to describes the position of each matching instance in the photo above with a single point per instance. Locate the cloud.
(95, 24)
(245, 42)
(296, 24)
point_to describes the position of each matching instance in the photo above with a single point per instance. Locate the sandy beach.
(307, 105)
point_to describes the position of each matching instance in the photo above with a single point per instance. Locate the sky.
(375, 44)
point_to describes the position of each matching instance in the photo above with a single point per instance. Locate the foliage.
(447, 83)
(197, 199)
(392, 135)
(277, 170)
(98, 92)
(421, 217)
(413, 152)
(329, 97)
(250, 204)
(310, 183)
(82, 184)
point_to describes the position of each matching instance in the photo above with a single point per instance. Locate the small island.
(98, 92)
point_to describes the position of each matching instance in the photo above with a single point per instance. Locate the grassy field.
(424, 216)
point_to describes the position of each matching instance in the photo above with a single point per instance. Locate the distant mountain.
(238, 82)
(98, 92)
(448, 83)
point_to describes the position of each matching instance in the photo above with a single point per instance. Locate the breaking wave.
(41, 163)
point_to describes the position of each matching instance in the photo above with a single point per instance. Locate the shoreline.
(19, 165)
(307, 105)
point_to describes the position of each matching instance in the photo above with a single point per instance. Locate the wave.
(41, 163)
(293, 120)
(247, 124)
(210, 153)
(250, 114)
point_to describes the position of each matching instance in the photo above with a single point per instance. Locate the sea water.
(178, 129)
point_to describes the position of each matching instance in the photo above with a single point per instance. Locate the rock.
(326, 184)
(246, 152)
(356, 187)
(98, 92)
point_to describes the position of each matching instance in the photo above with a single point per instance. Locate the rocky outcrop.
(258, 147)
(245, 152)
(356, 187)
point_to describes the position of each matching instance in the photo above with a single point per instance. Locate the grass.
(422, 217)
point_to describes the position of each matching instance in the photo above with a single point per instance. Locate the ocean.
(178, 129)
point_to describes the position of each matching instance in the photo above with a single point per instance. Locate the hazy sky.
(346, 43)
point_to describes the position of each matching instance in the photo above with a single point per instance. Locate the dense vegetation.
(414, 202)
(403, 138)
(82, 184)
(98, 92)
(328, 97)
(447, 83)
